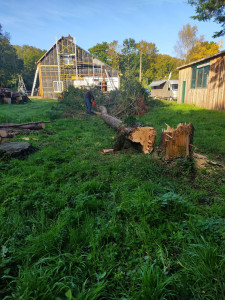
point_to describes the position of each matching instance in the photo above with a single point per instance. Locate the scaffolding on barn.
(67, 64)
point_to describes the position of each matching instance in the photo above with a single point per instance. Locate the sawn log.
(145, 136)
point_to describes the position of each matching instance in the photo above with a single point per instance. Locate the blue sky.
(38, 23)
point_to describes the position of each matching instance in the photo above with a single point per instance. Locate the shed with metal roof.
(164, 89)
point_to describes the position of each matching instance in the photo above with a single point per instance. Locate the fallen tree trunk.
(144, 136)
(174, 143)
(25, 125)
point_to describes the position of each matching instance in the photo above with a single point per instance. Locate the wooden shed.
(202, 82)
(164, 89)
(68, 64)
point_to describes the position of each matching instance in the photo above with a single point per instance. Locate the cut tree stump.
(177, 142)
(174, 143)
(145, 136)
(15, 149)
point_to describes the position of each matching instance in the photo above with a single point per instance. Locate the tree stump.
(177, 142)
(16, 149)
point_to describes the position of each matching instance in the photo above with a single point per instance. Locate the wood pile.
(9, 97)
(9, 130)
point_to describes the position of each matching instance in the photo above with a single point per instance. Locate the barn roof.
(202, 60)
(69, 37)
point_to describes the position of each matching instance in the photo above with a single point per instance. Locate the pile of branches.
(130, 100)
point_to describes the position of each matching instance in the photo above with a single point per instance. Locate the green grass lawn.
(79, 224)
(209, 125)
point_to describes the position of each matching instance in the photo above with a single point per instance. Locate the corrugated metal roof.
(157, 83)
(201, 60)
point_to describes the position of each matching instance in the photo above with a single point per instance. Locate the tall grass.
(78, 224)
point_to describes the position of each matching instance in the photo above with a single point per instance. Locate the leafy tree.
(203, 49)
(129, 62)
(10, 65)
(161, 67)
(29, 55)
(145, 48)
(188, 38)
(114, 55)
(129, 47)
(210, 9)
(100, 51)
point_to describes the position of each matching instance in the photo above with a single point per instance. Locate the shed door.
(183, 91)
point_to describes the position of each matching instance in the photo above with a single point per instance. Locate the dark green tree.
(100, 51)
(161, 66)
(10, 65)
(129, 62)
(29, 55)
(210, 9)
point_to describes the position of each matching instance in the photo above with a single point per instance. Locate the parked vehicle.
(164, 89)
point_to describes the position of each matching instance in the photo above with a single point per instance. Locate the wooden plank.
(221, 100)
(40, 82)
(214, 104)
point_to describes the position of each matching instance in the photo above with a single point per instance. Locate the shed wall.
(212, 97)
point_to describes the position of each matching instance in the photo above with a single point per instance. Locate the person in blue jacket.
(88, 98)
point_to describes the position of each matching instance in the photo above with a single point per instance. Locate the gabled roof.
(202, 60)
(69, 37)
(157, 83)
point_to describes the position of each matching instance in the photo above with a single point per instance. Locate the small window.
(58, 86)
(68, 60)
(200, 76)
(174, 87)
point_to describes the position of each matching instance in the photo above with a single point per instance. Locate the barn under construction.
(67, 64)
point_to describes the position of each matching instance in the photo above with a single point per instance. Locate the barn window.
(68, 60)
(200, 76)
(58, 86)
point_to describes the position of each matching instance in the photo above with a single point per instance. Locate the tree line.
(17, 60)
(138, 60)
